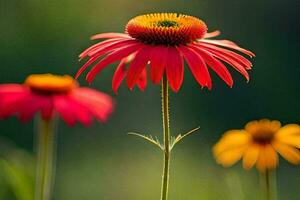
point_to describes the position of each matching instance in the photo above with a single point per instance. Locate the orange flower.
(259, 144)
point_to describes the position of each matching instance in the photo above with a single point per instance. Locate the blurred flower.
(259, 144)
(162, 40)
(49, 94)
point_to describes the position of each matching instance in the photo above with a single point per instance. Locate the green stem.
(45, 159)
(166, 129)
(269, 185)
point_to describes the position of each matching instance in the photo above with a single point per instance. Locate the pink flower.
(164, 41)
(50, 94)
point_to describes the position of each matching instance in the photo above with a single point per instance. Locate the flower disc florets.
(49, 84)
(166, 28)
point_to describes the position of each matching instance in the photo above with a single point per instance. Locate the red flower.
(163, 41)
(50, 94)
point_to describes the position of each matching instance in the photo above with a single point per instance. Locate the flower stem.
(269, 185)
(45, 159)
(166, 131)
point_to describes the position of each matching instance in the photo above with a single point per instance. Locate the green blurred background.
(102, 162)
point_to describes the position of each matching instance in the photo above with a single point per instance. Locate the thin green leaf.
(180, 137)
(149, 139)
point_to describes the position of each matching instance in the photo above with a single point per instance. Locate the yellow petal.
(289, 153)
(250, 156)
(231, 139)
(292, 140)
(271, 157)
(288, 130)
(267, 159)
(265, 124)
(261, 161)
(230, 157)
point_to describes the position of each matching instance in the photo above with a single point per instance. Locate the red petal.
(174, 68)
(228, 44)
(111, 58)
(158, 61)
(137, 65)
(99, 45)
(240, 68)
(119, 75)
(197, 66)
(109, 35)
(216, 65)
(142, 81)
(238, 58)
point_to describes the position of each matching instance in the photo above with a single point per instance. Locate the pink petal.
(228, 44)
(158, 61)
(109, 35)
(71, 110)
(111, 58)
(174, 68)
(32, 104)
(62, 105)
(216, 65)
(99, 104)
(137, 65)
(212, 34)
(197, 66)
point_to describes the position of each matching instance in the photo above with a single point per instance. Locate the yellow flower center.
(48, 83)
(166, 28)
(263, 131)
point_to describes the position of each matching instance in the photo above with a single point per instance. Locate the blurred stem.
(45, 159)
(269, 188)
(166, 129)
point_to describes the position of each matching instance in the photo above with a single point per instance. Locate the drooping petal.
(119, 75)
(72, 110)
(228, 44)
(216, 65)
(197, 66)
(11, 97)
(289, 134)
(174, 68)
(158, 61)
(231, 54)
(99, 45)
(212, 34)
(101, 51)
(32, 104)
(232, 139)
(142, 81)
(111, 47)
(288, 152)
(111, 58)
(137, 66)
(231, 156)
(267, 159)
(109, 35)
(250, 156)
(98, 103)
(240, 68)
(62, 106)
